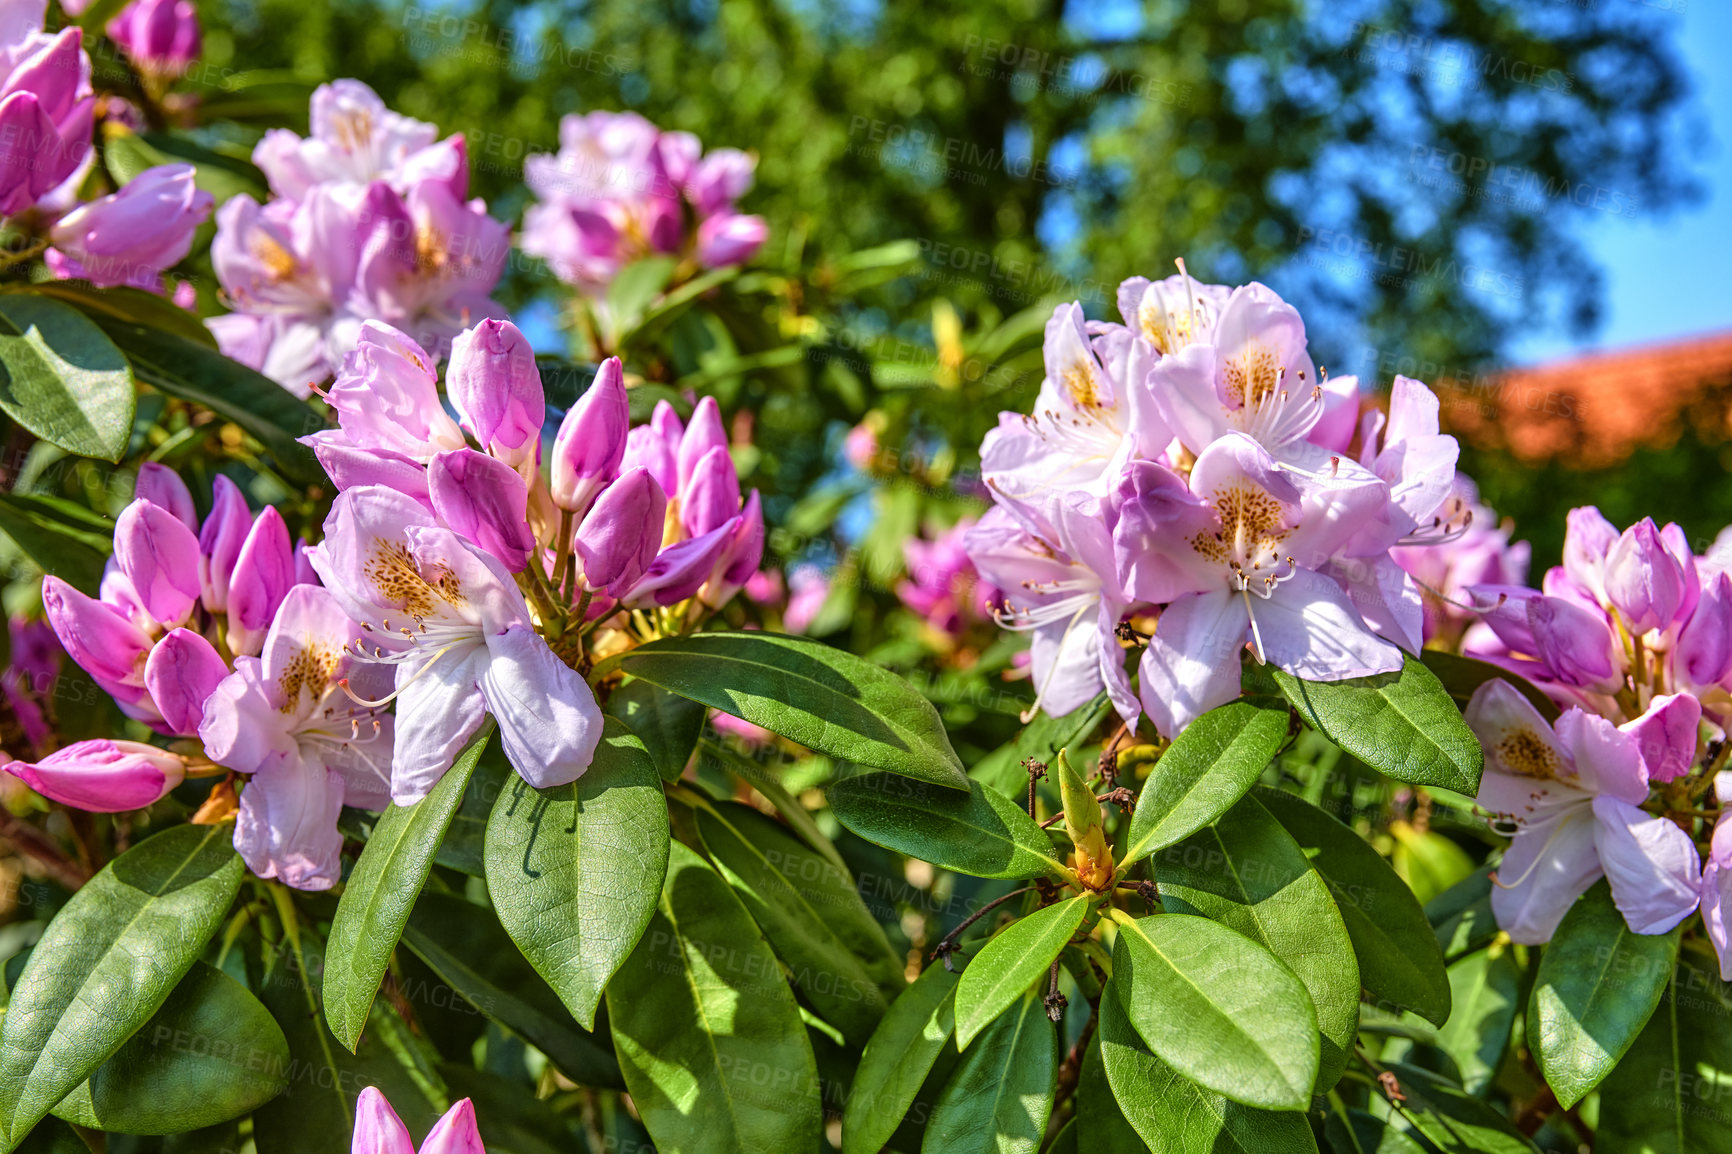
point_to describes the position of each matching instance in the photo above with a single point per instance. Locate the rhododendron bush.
(415, 739)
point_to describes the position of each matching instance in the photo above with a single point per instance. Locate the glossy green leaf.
(1015, 959)
(1672, 1093)
(468, 949)
(836, 953)
(897, 1059)
(1000, 1096)
(1361, 1133)
(762, 778)
(108, 961)
(1400, 962)
(1451, 1119)
(193, 372)
(1210, 766)
(464, 847)
(707, 1030)
(1485, 989)
(381, 891)
(1461, 916)
(575, 871)
(128, 155)
(317, 1110)
(1597, 985)
(63, 379)
(824, 698)
(211, 1053)
(1401, 723)
(123, 302)
(58, 541)
(1101, 1126)
(668, 725)
(980, 832)
(1248, 873)
(1219, 1008)
(1174, 1115)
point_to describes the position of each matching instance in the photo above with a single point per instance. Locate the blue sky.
(1671, 277)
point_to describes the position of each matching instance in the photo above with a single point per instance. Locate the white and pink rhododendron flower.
(1570, 794)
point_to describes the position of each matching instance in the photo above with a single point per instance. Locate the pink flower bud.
(161, 36)
(305, 574)
(1644, 582)
(220, 540)
(162, 486)
(159, 555)
(1704, 651)
(591, 441)
(720, 179)
(103, 776)
(730, 238)
(96, 635)
(1666, 735)
(181, 674)
(129, 237)
(46, 115)
(494, 384)
(484, 500)
(264, 573)
(703, 433)
(739, 562)
(681, 569)
(619, 538)
(647, 449)
(711, 494)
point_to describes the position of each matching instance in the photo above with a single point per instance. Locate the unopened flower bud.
(263, 575)
(484, 500)
(622, 533)
(591, 441)
(103, 776)
(159, 555)
(494, 384)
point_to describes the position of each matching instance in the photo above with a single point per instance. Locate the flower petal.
(1192, 662)
(1653, 866)
(549, 722)
(1542, 874)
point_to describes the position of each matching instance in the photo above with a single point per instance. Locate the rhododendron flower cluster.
(942, 586)
(1632, 637)
(1193, 466)
(620, 189)
(460, 576)
(369, 221)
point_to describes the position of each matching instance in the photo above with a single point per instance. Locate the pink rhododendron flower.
(942, 584)
(129, 237)
(1571, 796)
(47, 107)
(160, 36)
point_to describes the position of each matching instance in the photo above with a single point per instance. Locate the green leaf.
(62, 379)
(1000, 1096)
(381, 891)
(825, 699)
(56, 543)
(1401, 723)
(317, 1111)
(668, 725)
(1597, 985)
(1399, 959)
(897, 1059)
(108, 961)
(707, 1031)
(211, 1053)
(575, 871)
(981, 832)
(1101, 1127)
(128, 155)
(182, 368)
(1461, 916)
(53, 1136)
(1040, 739)
(1248, 873)
(1363, 1134)
(1670, 1093)
(123, 302)
(1011, 962)
(762, 778)
(1219, 1008)
(466, 947)
(811, 912)
(1485, 989)
(1453, 1120)
(632, 290)
(1210, 766)
(1461, 676)
(464, 847)
(1175, 1115)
